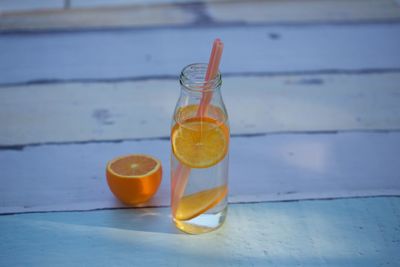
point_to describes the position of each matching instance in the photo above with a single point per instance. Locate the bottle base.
(203, 223)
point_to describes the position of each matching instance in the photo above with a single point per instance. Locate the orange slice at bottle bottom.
(191, 206)
(134, 179)
(200, 142)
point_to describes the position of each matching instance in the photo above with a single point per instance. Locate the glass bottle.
(200, 153)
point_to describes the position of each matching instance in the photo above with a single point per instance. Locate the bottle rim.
(193, 78)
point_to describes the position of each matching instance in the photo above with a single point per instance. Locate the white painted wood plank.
(303, 11)
(143, 109)
(272, 167)
(351, 232)
(29, 5)
(142, 16)
(138, 53)
(108, 3)
(139, 13)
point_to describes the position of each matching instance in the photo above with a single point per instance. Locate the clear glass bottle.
(200, 153)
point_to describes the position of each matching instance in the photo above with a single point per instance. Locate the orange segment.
(195, 204)
(134, 179)
(200, 142)
(134, 166)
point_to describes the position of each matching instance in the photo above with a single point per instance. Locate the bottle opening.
(193, 78)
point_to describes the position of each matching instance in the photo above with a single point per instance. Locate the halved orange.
(134, 179)
(195, 204)
(200, 142)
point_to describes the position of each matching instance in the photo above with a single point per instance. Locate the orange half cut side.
(135, 178)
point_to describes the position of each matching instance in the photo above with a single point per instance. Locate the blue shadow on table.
(156, 220)
(340, 232)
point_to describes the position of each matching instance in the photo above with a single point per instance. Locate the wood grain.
(348, 232)
(143, 109)
(11, 6)
(263, 168)
(138, 54)
(115, 16)
(108, 3)
(132, 13)
(304, 11)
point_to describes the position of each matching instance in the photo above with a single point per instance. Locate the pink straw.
(182, 172)
(212, 71)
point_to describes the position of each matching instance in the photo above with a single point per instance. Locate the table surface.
(312, 91)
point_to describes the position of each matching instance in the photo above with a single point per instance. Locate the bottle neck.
(200, 97)
(196, 94)
(193, 80)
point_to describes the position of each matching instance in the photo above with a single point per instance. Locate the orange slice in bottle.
(191, 206)
(200, 142)
(134, 179)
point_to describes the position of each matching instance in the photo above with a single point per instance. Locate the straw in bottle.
(182, 172)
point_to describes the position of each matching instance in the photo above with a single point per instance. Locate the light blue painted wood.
(272, 167)
(113, 3)
(142, 109)
(350, 232)
(7, 6)
(138, 53)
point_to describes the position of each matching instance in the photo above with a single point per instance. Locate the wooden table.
(313, 92)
